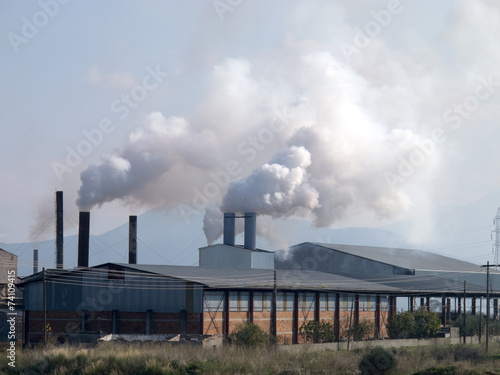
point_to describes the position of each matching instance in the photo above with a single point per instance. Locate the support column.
(412, 303)
(317, 307)
(295, 321)
(183, 321)
(495, 309)
(250, 307)
(428, 303)
(377, 318)
(422, 301)
(443, 311)
(473, 306)
(448, 310)
(226, 314)
(336, 321)
(356, 310)
(459, 305)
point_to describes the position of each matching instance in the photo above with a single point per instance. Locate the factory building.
(340, 284)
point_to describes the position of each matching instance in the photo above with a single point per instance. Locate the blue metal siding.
(93, 291)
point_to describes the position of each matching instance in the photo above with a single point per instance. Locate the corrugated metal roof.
(405, 258)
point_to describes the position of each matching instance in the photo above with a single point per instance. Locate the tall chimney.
(132, 240)
(250, 230)
(229, 228)
(59, 229)
(83, 239)
(35, 261)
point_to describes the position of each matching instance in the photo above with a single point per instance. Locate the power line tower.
(496, 245)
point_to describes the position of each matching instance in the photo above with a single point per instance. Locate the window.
(238, 301)
(384, 303)
(367, 303)
(327, 301)
(346, 302)
(307, 301)
(262, 301)
(285, 301)
(214, 301)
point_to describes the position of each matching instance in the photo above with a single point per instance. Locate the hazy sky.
(342, 112)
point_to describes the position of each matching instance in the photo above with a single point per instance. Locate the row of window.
(240, 301)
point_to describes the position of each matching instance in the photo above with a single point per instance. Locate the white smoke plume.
(351, 127)
(278, 188)
(149, 154)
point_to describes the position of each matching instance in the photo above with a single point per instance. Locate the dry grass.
(112, 358)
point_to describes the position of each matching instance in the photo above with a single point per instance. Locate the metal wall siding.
(225, 257)
(94, 292)
(263, 260)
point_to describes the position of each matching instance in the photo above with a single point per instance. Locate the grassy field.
(119, 359)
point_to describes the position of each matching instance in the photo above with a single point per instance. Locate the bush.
(427, 323)
(471, 324)
(249, 335)
(376, 361)
(362, 330)
(314, 331)
(413, 324)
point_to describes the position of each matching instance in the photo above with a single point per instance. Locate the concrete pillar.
(495, 309)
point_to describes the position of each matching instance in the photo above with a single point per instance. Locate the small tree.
(362, 330)
(471, 324)
(413, 324)
(427, 323)
(249, 335)
(317, 331)
(376, 362)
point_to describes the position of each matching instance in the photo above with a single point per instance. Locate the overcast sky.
(356, 113)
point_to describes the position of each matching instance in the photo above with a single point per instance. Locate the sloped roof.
(404, 258)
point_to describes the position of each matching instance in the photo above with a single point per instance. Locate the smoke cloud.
(148, 155)
(349, 126)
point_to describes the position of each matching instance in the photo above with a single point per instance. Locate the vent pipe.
(250, 230)
(83, 239)
(59, 229)
(35, 261)
(229, 228)
(132, 240)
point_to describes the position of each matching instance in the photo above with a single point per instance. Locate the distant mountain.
(164, 237)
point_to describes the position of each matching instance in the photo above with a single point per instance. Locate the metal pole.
(44, 307)
(480, 316)
(275, 306)
(487, 303)
(465, 299)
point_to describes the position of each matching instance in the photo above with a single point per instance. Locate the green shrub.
(427, 323)
(377, 361)
(362, 330)
(314, 331)
(249, 335)
(413, 324)
(471, 324)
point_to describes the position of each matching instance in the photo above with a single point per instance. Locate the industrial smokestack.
(229, 228)
(83, 239)
(35, 261)
(132, 240)
(250, 230)
(59, 229)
